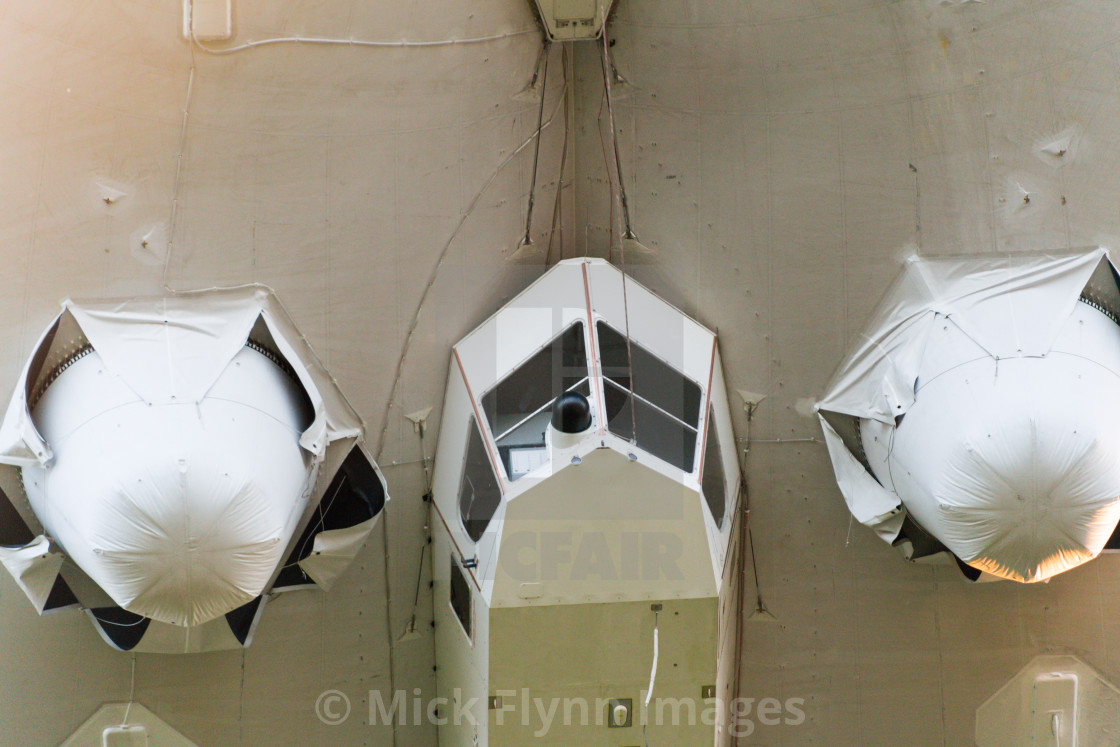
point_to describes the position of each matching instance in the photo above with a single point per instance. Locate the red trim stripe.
(707, 411)
(594, 339)
(494, 464)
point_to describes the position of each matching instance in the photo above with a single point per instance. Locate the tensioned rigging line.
(427, 530)
(557, 206)
(321, 522)
(607, 67)
(629, 233)
(439, 264)
(528, 239)
(118, 624)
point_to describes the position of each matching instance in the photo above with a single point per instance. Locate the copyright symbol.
(332, 707)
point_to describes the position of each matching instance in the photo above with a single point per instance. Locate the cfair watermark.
(582, 556)
(743, 715)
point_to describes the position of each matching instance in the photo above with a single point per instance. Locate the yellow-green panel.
(556, 668)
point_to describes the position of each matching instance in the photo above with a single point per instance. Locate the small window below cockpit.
(479, 494)
(666, 416)
(461, 599)
(519, 408)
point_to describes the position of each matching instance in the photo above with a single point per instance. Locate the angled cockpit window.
(667, 410)
(712, 482)
(519, 407)
(479, 494)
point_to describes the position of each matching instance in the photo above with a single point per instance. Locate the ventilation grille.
(1102, 292)
(1100, 305)
(278, 360)
(44, 382)
(79, 350)
(849, 429)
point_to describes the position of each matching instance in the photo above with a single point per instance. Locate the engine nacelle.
(180, 512)
(1014, 465)
(976, 417)
(164, 462)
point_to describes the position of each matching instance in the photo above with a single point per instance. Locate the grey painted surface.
(767, 147)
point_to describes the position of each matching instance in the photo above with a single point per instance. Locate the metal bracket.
(620, 713)
(419, 418)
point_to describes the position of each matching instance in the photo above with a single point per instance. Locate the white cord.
(360, 42)
(653, 669)
(652, 677)
(131, 692)
(194, 42)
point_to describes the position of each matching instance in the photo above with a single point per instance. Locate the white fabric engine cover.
(987, 397)
(34, 568)
(1013, 464)
(177, 448)
(179, 511)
